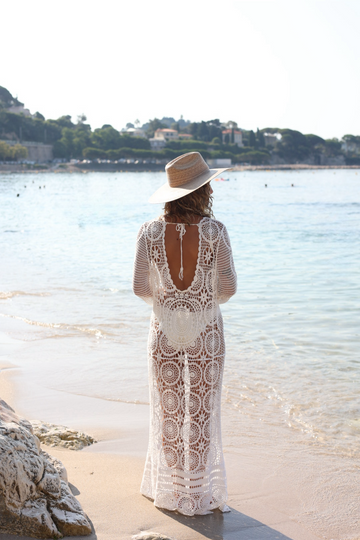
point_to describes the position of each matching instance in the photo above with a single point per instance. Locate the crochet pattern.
(184, 468)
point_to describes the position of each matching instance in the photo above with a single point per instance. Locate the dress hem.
(224, 508)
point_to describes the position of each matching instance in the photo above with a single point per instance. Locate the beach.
(106, 477)
(73, 346)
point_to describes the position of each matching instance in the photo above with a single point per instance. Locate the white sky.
(262, 63)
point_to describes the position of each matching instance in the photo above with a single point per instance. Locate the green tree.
(65, 121)
(216, 140)
(255, 157)
(332, 147)
(5, 151)
(81, 119)
(293, 146)
(7, 99)
(106, 137)
(153, 126)
(252, 139)
(260, 141)
(205, 131)
(231, 125)
(12, 153)
(19, 152)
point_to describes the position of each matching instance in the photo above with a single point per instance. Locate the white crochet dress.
(184, 468)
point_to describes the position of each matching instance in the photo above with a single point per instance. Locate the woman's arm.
(141, 275)
(225, 269)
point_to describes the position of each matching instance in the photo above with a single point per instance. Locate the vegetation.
(77, 140)
(12, 153)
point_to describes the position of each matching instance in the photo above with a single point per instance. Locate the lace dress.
(184, 468)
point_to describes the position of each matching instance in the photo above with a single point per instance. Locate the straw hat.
(185, 174)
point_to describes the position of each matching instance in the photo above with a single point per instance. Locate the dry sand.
(106, 476)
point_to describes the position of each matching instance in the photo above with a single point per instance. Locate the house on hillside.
(19, 109)
(184, 136)
(166, 134)
(135, 132)
(233, 136)
(161, 137)
(271, 139)
(157, 143)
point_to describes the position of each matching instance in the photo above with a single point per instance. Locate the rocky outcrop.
(35, 499)
(53, 435)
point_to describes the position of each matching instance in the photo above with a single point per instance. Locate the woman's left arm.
(227, 279)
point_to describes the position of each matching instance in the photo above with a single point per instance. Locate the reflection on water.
(292, 330)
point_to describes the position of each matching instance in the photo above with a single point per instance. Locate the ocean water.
(292, 330)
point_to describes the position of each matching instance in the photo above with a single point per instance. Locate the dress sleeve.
(141, 275)
(225, 269)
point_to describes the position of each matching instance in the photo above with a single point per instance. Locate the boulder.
(35, 499)
(53, 435)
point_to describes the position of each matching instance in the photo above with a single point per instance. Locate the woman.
(184, 269)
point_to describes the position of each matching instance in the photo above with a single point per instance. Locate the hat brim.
(167, 194)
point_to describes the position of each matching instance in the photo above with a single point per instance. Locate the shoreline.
(106, 476)
(149, 167)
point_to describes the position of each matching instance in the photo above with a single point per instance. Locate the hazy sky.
(262, 63)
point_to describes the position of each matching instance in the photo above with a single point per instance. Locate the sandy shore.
(113, 167)
(106, 476)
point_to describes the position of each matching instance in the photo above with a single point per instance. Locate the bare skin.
(190, 252)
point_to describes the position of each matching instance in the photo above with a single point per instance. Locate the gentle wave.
(103, 398)
(11, 294)
(264, 402)
(80, 328)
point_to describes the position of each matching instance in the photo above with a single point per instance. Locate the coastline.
(83, 168)
(106, 476)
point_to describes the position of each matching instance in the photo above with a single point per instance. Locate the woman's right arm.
(141, 275)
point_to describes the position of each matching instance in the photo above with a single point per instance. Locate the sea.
(292, 373)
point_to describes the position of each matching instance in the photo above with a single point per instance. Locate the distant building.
(135, 132)
(227, 136)
(219, 162)
(157, 143)
(185, 136)
(19, 109)
(37, 152)
(166, 134)
(271, 139)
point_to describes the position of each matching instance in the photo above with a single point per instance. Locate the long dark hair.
(198, 203)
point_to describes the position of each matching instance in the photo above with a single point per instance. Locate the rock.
(35, 499)
(53, 435)
(151, 536)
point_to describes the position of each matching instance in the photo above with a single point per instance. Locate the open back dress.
(184, 468)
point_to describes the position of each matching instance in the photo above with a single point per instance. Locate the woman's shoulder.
(151, 227)
(207, 221)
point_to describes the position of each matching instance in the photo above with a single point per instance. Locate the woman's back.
(174, 236)
(207, 268)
